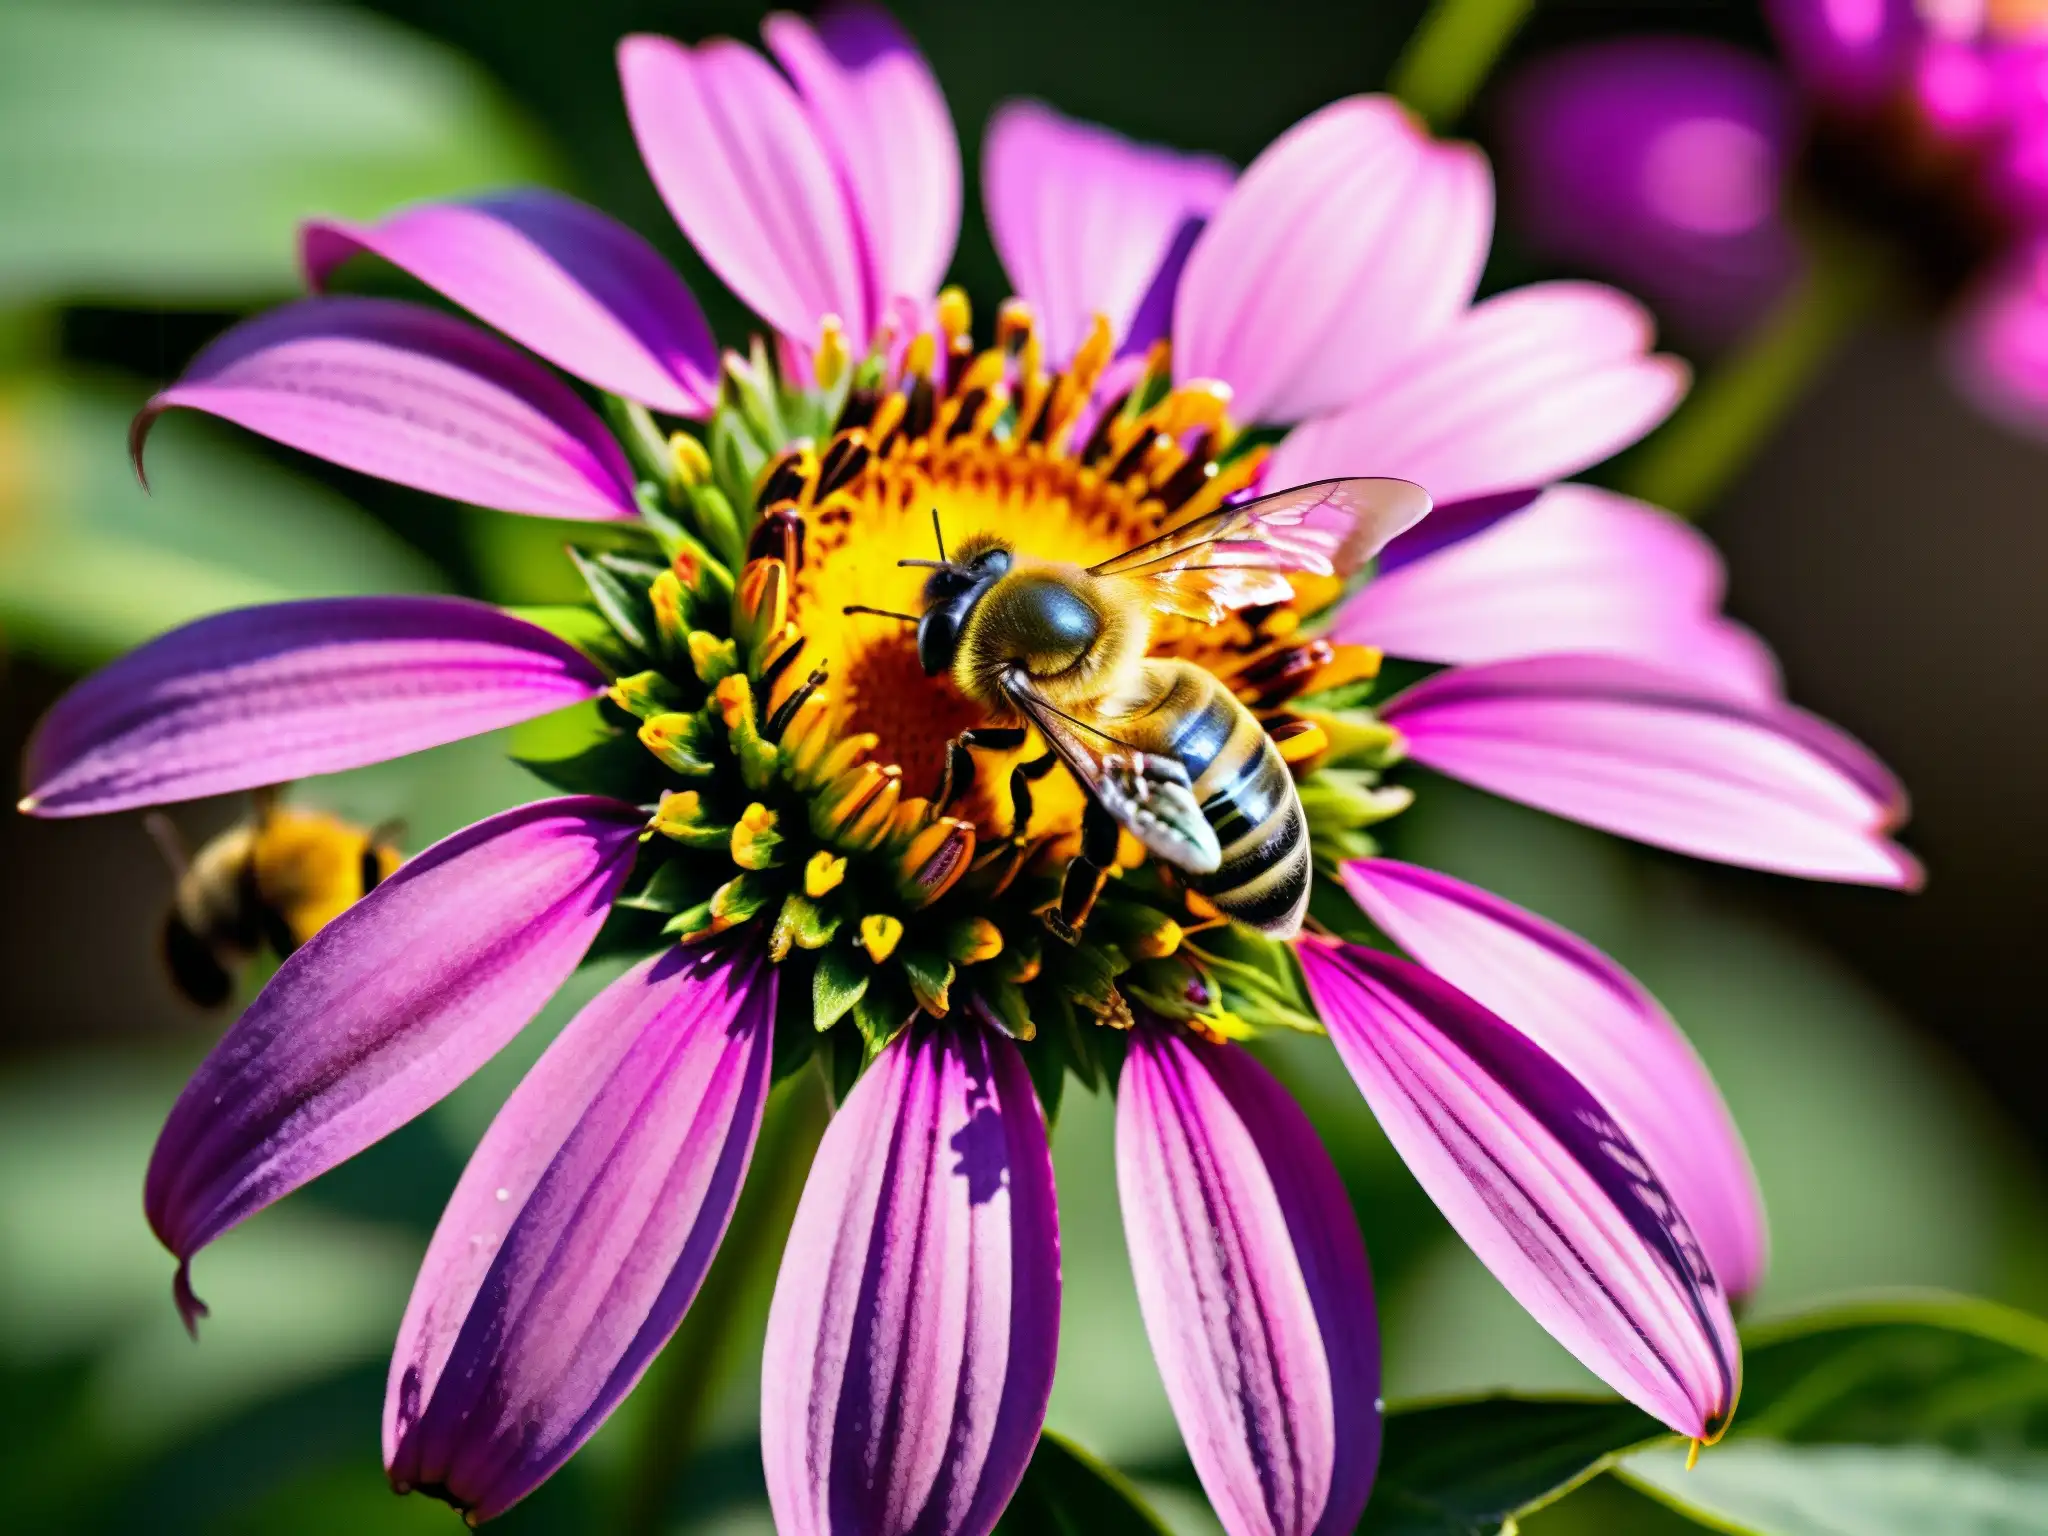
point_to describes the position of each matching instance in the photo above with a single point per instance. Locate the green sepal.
(1048, 1068)
(880, 1013)
(1260, 982)
(1357, 739)
(715, 657)
(930, 977)
(646, 449)
(687, 744)
(838, 983)
(1351, 798)
(584, 628)
(1345, 696)
(736, 462)
(845, 1057)
(711, 583)
(624, 606)
(1006, 1001)
(612, 764)
(675, 886)
(795, 1041)
(712, 511)
(689, 922)
(757, 758)
(644, 695)
(1331, 906)
(1060, 1030)
(804, 924)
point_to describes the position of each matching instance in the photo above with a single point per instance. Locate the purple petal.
(915, 1322)
(386, 1009)
(1657, 161)
(577, 287)
(1533, 1173)
(1453, 523)
(740, 165)
(883, 119)
(265, 695)
(1853, 51)
(1084, 218)
(1580, 570)
(1997, 348)
(412, 395)
(581, 1228)
(1352, 239)
(1526, 388)
(1601, 1026)
(1654, 755)
(1253, 1281)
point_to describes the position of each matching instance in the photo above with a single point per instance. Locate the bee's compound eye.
(992, 562)
(938, 636)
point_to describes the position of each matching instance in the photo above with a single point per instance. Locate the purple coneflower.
(1679, 166)
(749, 815)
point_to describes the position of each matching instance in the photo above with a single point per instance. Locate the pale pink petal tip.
(266, 695)
(1528, 387)
(916, 1317)
(1579, 570)
(573, 284)
(411, 395)
(1653, 754)
(1253, 1282)
(581, 1229)
(1601, 1025)
(1536, 1175)
(739, 161)
(1086, 221)
(385, 1011)
(1352, 241)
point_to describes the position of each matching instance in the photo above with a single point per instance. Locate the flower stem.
(1454, 48)
(1733, 409)
(685, 1379)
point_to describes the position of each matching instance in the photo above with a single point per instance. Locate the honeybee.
(1161, 748)
(271, 881)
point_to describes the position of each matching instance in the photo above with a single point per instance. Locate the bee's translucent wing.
(1149, 795)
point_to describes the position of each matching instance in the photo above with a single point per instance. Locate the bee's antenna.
(939, 535)
(164, 834)
(929, 565)
(880, 613)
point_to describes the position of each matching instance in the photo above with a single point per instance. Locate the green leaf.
(1467, 1468)
(1067, 1492)
(168, 151)
(1771, 1489)
(623, 603)
(92, 565)
(840, 981)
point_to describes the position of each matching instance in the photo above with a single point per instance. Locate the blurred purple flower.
(1675, 165)
(1542, 1097)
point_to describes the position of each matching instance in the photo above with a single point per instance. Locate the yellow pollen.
(879, 935)
(823, 874)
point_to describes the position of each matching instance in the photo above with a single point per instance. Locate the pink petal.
(1669, 760)
(385, 1010)
(1854, 51)
(577, 287)
(412, 395)
(581, 1229)
(739, 163)
(1601, 1026)
(883, 119)
(1579, 570)
(1997, 348)
(266, 695)
(1523, 389)
(1534, 1174)
(1350, 241)
(1083, 218)
(915, 1322)
(1254, 1286)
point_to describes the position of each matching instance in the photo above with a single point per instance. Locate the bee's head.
(950, 593)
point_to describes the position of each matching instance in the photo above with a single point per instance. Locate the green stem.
(685, 1379)
(1453, 50)
(1734, 408)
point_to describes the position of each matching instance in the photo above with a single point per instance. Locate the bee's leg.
(1022, 777)
(957, 777)
(1087, 873)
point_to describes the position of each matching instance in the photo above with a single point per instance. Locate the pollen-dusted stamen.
(880, 934)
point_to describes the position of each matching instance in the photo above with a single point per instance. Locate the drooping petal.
(1657, 756)
(385, 1010)
(883, 119)
(1658, 162)
(581, 1229)
(1084, 218)
(409, 394)
(1350, 240)
(914, 1326)
(1253, 1281)
(266, 695)
(1579, 570)
(738, 161)
(1526, 388)
(1534, 1173)
(1850, 51)
(576, 286)
(1601, 1026)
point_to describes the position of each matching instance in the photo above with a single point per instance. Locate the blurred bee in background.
(269, 882)
(1160, 746)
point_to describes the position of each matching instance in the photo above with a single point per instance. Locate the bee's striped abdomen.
(1248, 798)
